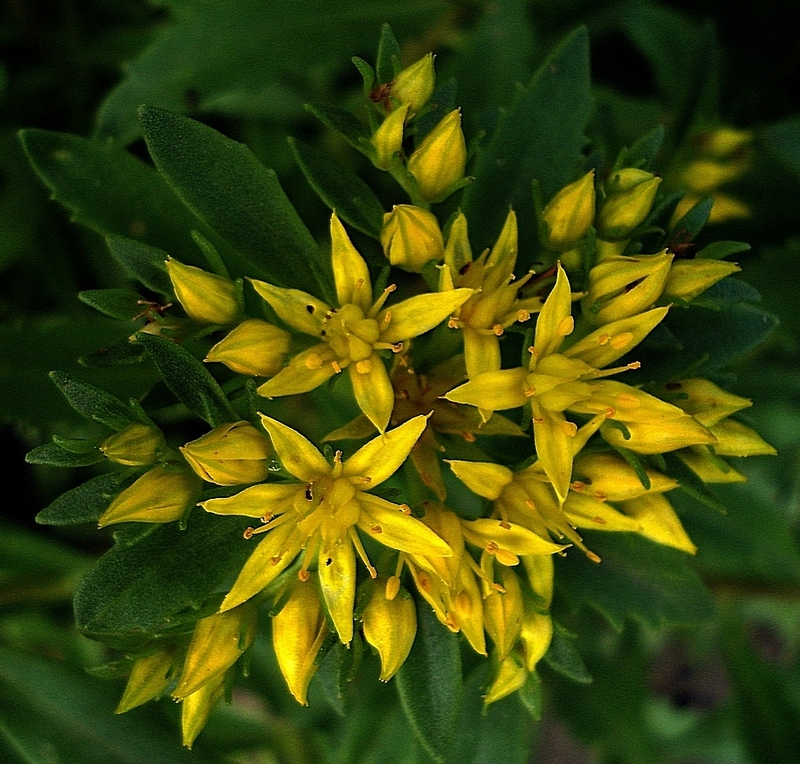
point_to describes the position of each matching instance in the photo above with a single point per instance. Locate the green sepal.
(54, 455)
(367, 74)
(338, 669)
(92, 402)
(188, 379)
(340, 188)
(143, 262)
(642, 152)
(430, 684)
(222, 182)
(85, 503)
(692, 484)
(124, 304)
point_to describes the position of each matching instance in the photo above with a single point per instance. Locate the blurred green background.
(726, 692)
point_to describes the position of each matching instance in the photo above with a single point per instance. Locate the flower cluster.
(346, 540)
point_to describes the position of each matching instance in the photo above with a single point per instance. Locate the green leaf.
(642, 153)
(188, 379)
(85, 503)
(124, 304)
(121, 352)
(429, 683)
(224, 184)
(637, 579)
(341, 121)
(162, 580)
(692, 484)
(141, 261)
(719, 250)
(540, 138)
(110, 191)
(388, 59)
(340, 188)
(53, 455)
(693, 221)
(53, 713)
(92, 402)
(562, 656)
(532, 697)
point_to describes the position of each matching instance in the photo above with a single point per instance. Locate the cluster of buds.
(331, 554)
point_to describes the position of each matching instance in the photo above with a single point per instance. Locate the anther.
(405, 509)
(578, 486)
(336, 367)
(523, 315)
(498, 330)
(565, 326)
(303, 575)
(453, 323)
(599, 520)
(376, 529)
(505, 524)
(604, 339)
(468, 436)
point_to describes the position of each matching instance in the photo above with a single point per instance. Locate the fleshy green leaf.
(54, 455)
(429, 683)
(85, 503)
(693, 221)
(388, 59)
(92, 402)
(340, 188)
(162, 580)
(719, 250)
(637, 578)
(142, 261)
(224, 184)
(188, 379)
(117, 303)
(341, 121)
(539, 138)
(562, 656)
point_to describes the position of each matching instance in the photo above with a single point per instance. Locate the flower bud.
(708, 403)
(629, 199)
(658, 521)
(159, 496)
(621, 287)
(503, 612)
(569, 214)
(709, 467)
(414, 85)
(206, 297)
(535, 635)
(689, 278)
(388, 138)
(659, 436)
(231, 454)
(440, 160)
(724, 141)
(197, 707)
(705, 175)
(217, 643)
(390, 627)
(457, 251)
(737, 439)
(254, 347)
(298, 632)
(608, 477)
(509, 677)
(135, 446)
(148, 679)
(411, 237)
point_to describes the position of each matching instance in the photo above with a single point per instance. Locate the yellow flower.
(352, 334)
(388, 138)
(569, 214)
(438, 164)
(135, 446)
(206, 297)
(254, 347)
(390, 626)
(320, 514)
(411, 237)
(414, 85)
(557, 382)
(630, 194)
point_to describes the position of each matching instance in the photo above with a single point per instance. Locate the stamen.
(505, 524)
(405, 509)
(375, 309)
(599, 520)
(528, 392)
(600, 496)
(362, 553)
(336, 367)
(376, 529)
(570, 428)
(453, 323)
(303, 575)
(537, 420)
(592, 556)
(604, 339)
(578, 486)
(468, 436)
(359, 283)
(451, 623)
(392, 587)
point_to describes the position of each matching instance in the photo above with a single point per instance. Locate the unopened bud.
(457, 251)
(135, 446)
(206, 297)
(658, 521)
(148, 679)
(390, 627)
(161, 495)
(438, 164)
(705, 175)
(614, 479)
(724, 141)
(689, 278)
(737, 439)
(629, 198)
(231, 454)
(254, 347)
(535, 635)
(569, 214)
(621, 287)
(509, 677)
(708, 403)
(413, 87)
(388, 138)
(503, 612)
(197, 707)
(658, 437)
(411, 237)
(298, 632)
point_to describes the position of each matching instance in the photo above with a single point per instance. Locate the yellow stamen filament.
(362, 553)
(592, 556)
(336, 367)
(380, 301)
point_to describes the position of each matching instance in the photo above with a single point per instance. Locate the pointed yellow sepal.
(413, 86)
(161, 495)
(231, 454)
(457, 251)
(630, 194)
(135, 446)
(388, 138)
(569, 214)
(206, 297)
(148, 679)
(486, 479)
(658, 437)
(217, 643)
(298, 632)
(254, 347)
(337, 579)
(411, 237)
(438, 164)
(390, 627)
(535, 636)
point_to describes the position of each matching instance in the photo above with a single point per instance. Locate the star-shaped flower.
(352, 334)
(320, 514)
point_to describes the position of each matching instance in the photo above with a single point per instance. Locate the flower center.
(350, 334)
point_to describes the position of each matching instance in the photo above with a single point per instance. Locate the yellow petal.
(503, 257)
(297, 454)
(709, 467)
(509, 677)
(373, 390)
(419, 314)
(659, 522)
(486, 479)
(536, 634)
(149, 677)
(481, 352)
(658, 437)
(553, 322)
(305, 372)
(257, 501)
(509, 536)
(299, 309)
(494, 390)
(337, 578)
(390, 627)
(387, 523)
(502, 612)
(587, 512)
(350, 273)
(736, 439)
(382, 456)
(196, 708)
(609, 477)
(553, 436)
